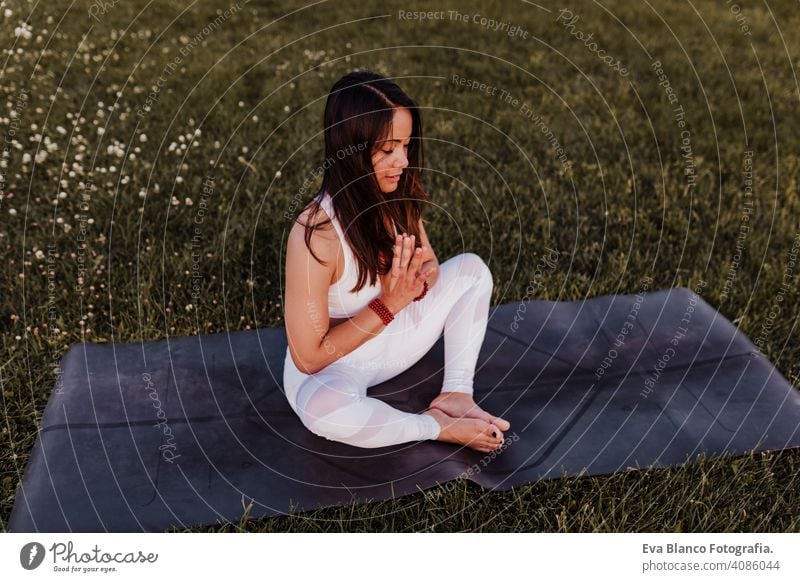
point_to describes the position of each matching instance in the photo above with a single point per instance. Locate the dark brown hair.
(358, 113)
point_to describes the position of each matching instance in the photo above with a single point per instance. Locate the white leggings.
(333, 402)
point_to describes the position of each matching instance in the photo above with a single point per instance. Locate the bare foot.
(460, 404)
(473, 432)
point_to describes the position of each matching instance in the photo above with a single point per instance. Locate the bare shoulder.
(316, 218)
(323, 241)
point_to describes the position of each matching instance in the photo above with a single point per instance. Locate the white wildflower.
(23, 30)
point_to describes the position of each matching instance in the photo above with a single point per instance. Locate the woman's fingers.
(407, 260)
(415, 277)
(428, 273)
(408, 249)
(397, 256)
(416, 260)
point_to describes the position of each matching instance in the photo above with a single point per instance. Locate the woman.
(345, 333)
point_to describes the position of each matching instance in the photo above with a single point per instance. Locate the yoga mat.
(190, 430)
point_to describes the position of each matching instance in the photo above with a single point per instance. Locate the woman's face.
(390, 156)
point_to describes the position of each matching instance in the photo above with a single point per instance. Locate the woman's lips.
(395, 178)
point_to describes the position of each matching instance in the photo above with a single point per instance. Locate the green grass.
(499, 188)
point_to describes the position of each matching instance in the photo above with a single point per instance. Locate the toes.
(494, 433)
(488, 443)
(502, 423)
(483, 415)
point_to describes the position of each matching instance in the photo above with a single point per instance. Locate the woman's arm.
(313, 345)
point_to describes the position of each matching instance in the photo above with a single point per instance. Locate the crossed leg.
(333, 402)
(458, 306)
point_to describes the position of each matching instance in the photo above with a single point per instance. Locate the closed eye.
(390, 151)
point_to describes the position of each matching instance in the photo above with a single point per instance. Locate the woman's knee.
(472, 264)
(317, 400)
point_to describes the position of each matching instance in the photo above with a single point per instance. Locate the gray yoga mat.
(190, 430)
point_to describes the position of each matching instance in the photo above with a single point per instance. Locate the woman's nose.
(401, 161)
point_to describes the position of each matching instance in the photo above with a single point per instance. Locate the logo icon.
(31, 555)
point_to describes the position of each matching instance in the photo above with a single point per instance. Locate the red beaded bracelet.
(424, 291)
(383, 312)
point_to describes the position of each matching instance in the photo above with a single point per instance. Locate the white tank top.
(341, 301)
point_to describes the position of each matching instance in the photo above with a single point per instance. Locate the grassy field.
(633, 162)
